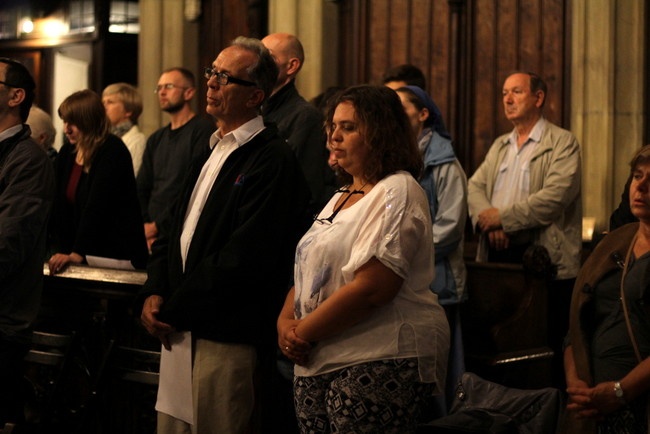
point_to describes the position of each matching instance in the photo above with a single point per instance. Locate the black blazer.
(240, 261)
(105, 219)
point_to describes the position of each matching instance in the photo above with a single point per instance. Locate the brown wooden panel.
(378, 39)
(354, 46)
(508, 58)
(553, 59)
(420, 39)
(484, 76)
(529, 22)
(458, 103)
(507, 35)
(438, 68)
(399, 37)
(646, 132)
(363, 53)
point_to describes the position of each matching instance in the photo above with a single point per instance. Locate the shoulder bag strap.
(624, 302)
(629, 324)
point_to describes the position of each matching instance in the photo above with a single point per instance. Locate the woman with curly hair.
(367, 336)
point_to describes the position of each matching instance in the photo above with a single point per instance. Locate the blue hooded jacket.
(438, 151)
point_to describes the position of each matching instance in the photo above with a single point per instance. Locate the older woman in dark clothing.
(96, 210)
(606, 360)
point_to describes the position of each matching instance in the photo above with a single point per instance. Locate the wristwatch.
(618, 391)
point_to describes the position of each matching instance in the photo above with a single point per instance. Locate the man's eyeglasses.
(8, 84)
(167, 86)
(338, 209)
(223, 78)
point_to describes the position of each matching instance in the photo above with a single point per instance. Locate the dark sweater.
(239, 263)
(165, 162)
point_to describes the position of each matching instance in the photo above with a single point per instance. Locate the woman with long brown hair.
(96, 210)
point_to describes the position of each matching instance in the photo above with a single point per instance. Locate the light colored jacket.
(553, 209)
(445, 185)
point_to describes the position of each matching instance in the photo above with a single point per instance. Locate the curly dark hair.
(385, 128)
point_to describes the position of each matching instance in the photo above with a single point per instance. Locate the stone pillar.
(165, 35)
(315, 23)
(607, 70)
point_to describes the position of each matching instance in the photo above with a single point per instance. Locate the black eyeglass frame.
(338, 209)
(224, 79)
(168, 86)
(10, 85)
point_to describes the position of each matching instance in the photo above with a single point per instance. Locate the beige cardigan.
(553, 207)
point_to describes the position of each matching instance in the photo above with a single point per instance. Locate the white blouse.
(393, 224)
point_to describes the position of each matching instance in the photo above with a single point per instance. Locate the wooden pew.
(504, 325)
(97, 300)
(99, 282)
(97, 304)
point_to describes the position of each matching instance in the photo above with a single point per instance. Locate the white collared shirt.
(221, 149)
(513, 178)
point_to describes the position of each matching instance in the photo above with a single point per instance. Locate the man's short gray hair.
(265, 72)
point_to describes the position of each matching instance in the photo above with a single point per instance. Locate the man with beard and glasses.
(170, 150)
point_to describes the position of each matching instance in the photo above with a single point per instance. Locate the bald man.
(299, 122)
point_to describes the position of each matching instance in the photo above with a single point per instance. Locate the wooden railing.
(97, 305)
(103, 282)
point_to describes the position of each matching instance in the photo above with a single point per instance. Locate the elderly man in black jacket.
(217, 281)
(26, 195)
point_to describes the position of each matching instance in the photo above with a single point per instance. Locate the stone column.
(166, 39)
(315, 23)
(607, 71)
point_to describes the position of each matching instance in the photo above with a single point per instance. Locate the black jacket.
(165, 162)
(301, 125)
(105, 219)
(239, 264)
(26, 194)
